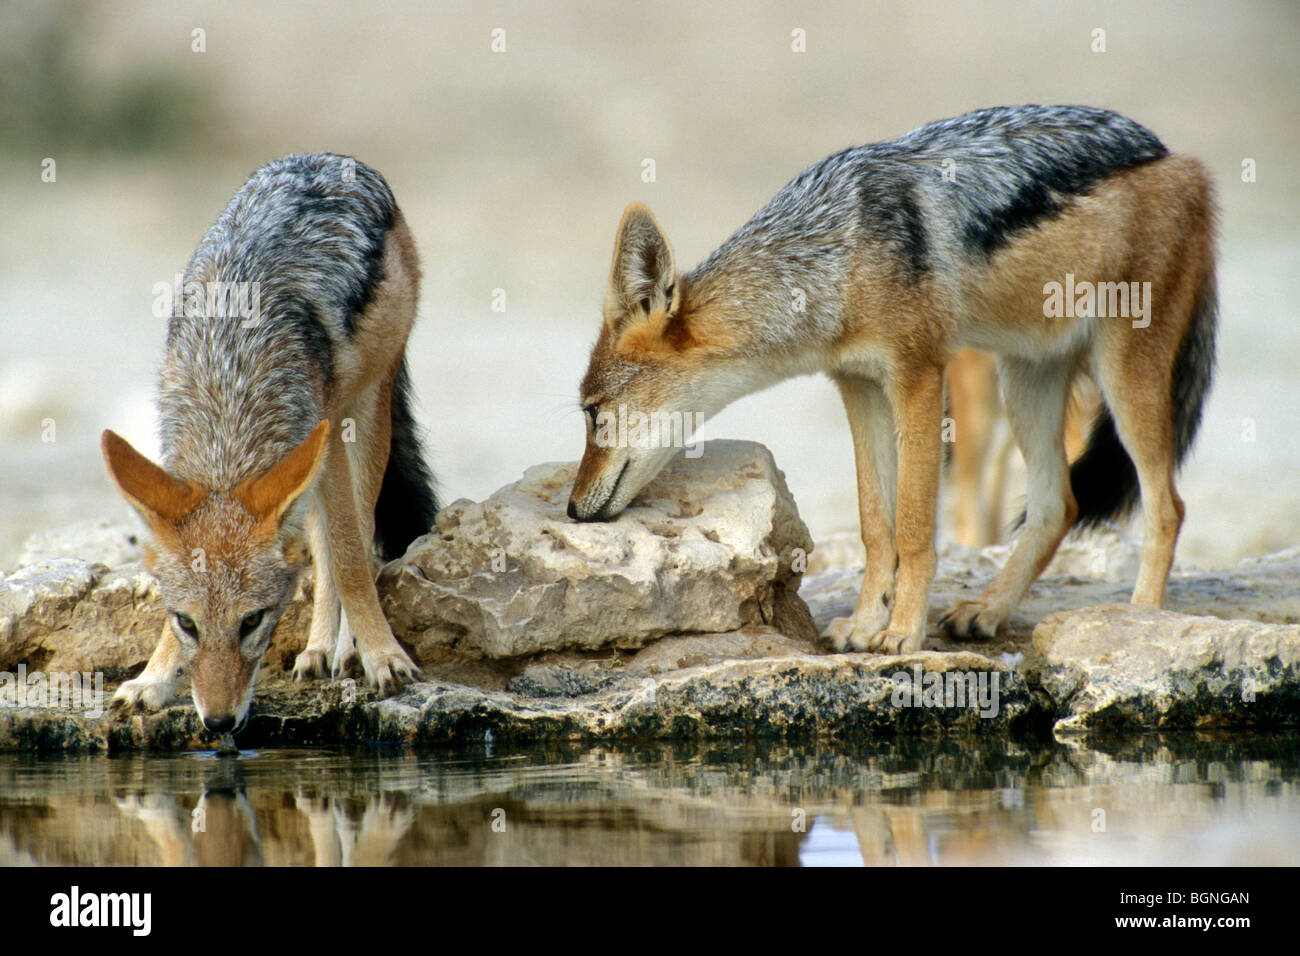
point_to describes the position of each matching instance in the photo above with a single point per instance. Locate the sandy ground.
(513, 168)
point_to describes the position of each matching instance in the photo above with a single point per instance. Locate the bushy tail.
(407, 499)
(1104, 479)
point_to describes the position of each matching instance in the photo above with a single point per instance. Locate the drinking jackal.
(286, 431)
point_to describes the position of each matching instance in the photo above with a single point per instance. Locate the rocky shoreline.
(692, 617)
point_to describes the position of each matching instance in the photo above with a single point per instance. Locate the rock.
(710, 546)
(1121, 667)
(569, 674)
(1257, 589)
(795, 696)
(679, 620)
(94, 542)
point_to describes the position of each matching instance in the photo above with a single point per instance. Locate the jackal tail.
(408, 501)
(1104, 479)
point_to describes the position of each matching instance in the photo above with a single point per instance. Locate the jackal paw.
(310, 665)
(855, 633)
(839, 634)
(971, 620)
(895, 642)
(347, 664)
(389, 670)
(144, 694)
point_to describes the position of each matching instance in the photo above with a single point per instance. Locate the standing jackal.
(1013, 230)
(284, 432)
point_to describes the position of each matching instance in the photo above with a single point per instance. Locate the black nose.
(573, 510)
(220, 725)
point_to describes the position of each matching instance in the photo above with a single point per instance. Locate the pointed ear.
(642, 278)
(269, 496)
(161, 499)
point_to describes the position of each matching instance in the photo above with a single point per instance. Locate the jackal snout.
(641, 394)
(222, 680)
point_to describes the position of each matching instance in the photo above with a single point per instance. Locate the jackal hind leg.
(975, 409)
(875, 454)
(1138, 396)
(1035, 395)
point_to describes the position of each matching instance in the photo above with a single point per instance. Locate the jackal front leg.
(384, 661)
(314, 661)
(156, 685)
(919, 409)
(871, 423)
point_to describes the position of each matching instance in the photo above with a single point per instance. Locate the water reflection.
(1151, 800)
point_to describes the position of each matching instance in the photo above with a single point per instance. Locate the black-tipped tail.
(1104, 479)
(407, 502)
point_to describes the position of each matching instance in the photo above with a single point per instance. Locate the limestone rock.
(714, 544)
(794, 696)
(1122, 667)
(94, 542)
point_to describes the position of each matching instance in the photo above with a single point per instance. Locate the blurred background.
(513, 168)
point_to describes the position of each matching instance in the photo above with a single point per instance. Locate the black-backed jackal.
(1060, 238)
(286, 432)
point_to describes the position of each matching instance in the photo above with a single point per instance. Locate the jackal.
(284, 433)
(981, 450)
(1011, 230)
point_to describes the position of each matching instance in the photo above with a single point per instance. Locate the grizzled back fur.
(1014, 166)
(237, 394)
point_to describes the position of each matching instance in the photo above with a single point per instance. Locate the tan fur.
(267, 496)
(980, 458)
(161, 499)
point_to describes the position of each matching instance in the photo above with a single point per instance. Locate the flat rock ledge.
(799, 696)
(1073, 659)
(1181, 671)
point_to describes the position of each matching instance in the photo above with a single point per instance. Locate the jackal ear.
(161, 499)
(642, 278)
(270, 495)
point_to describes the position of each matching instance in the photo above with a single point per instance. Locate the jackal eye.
(250, 623)
(186, 624)
(591, 411)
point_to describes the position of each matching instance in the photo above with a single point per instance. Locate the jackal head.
(655, 371)
(227, 560)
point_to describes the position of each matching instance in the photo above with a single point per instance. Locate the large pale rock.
(714, 544)
(94, 542)
(1121, 667)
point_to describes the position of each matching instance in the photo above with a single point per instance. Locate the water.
(1169, 800)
